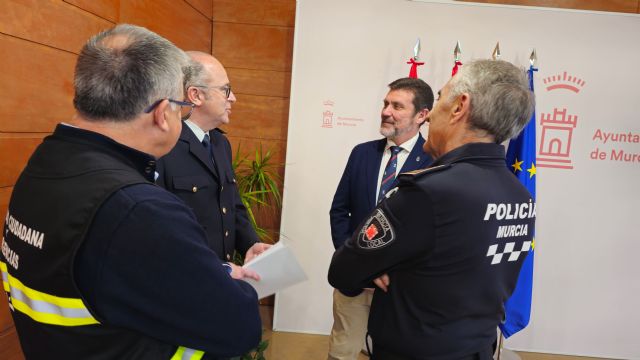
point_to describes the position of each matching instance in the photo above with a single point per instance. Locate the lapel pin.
(418, 158)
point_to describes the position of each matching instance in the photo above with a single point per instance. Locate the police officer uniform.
(452, 239)
(100, 263)
(209, 188)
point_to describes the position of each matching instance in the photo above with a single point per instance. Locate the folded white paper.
(278, 269)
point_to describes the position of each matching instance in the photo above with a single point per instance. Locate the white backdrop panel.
(586, 289)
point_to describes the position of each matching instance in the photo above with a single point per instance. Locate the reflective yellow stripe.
(46, 308)
(52, 319)
(5, 276)
(40, 296)
(184, 353)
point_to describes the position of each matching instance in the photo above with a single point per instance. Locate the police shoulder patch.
(420, 172)
(376, 232)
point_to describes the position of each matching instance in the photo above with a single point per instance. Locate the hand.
(240, 273)
(257, 249)
(382, 282)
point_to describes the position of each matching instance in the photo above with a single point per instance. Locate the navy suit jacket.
(355, 197)
(210, 191)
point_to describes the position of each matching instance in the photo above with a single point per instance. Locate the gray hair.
(196, 76)
(123, 70)
(501, 101)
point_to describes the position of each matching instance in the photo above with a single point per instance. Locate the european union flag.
(521, 159)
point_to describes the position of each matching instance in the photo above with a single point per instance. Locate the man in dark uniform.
(446, 247)
(198, 169)
(99, 262)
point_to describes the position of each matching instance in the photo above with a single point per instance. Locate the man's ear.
(460, 108)
(161, 115)
(193, 95)
(422, 116)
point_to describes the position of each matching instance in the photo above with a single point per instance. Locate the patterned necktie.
(206, 142)
(389, 172)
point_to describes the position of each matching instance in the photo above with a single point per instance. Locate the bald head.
(207, 86)
(205, 69)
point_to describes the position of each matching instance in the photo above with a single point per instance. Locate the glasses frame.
(226, 89)
(177, 102)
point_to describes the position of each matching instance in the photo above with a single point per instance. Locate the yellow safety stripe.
(46, 308)
(5, 276)
(184, 353)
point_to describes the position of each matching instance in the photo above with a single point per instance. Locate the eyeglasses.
(186, 107)
(226, 89)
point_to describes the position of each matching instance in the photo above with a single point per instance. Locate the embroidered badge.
(376, 232)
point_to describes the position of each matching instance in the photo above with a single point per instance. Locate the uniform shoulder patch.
(422, 172)
(376, 232)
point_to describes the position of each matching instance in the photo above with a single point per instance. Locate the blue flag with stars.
(521, 159)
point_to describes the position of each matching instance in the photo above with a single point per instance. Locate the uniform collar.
(470, 151)
(142, 162)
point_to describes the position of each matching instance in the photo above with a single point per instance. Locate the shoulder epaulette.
(422, 172)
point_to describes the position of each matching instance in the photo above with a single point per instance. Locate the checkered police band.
(508, 249)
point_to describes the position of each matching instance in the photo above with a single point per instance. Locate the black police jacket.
(209, 190)
(452, 239)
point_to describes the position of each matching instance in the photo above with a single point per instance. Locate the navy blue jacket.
(211, 192)
(356, 194)
(452, 239)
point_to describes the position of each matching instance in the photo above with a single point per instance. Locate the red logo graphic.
(564, 81)
(327, 114)
(555, 142)
(371, 231)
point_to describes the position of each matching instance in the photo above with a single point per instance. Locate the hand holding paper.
(277, 268)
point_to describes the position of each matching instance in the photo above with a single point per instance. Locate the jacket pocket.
(191, 183)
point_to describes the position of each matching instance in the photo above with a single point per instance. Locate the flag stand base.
(506, 354)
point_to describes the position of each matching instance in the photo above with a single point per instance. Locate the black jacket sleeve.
(399, 230)
(145, 266)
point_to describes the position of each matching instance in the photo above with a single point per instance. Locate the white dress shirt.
(407, 146)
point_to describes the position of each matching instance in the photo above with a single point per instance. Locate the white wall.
(586, 286)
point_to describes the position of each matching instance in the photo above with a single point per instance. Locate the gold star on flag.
(532, 170)
(533, 244)
(517, 165)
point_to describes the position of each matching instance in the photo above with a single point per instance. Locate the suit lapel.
(196, 148)
(218, 152)
(373, 169)
(417, 159)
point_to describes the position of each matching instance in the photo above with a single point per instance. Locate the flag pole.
(506, 354)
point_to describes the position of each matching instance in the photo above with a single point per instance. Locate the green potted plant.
(257, 184)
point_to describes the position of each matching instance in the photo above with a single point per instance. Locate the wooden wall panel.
(171, 19)
(260, 82)
(36, 92)
(205, 7)
(274, 12)
(5, 194)
(259, 117)
(624, 6)
(14, 154)
(37, 86)
(106, 9)
(35, 20)
(253, 46)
